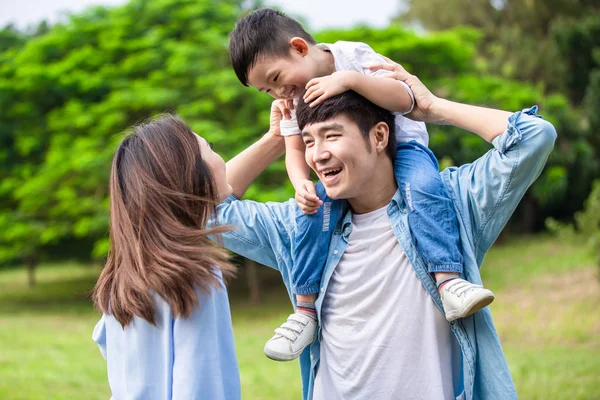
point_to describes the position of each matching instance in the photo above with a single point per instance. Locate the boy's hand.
(306, 197)
(320, 89)
(280, 109)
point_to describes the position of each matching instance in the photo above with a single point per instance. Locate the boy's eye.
(210, 144)
(276, 77)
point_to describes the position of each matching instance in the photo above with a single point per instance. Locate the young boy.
(274, 54)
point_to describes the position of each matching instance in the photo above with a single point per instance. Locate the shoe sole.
(276, 356)
(473, 307)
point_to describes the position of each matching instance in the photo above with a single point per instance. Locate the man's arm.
(485, 122)
(487, 191)
(260, 231)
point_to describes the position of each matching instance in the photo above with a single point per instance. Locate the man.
(382, 332)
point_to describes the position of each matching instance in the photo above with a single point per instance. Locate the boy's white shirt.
(356, 56)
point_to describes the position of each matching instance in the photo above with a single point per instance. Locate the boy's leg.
(434, 228)
(310, 246)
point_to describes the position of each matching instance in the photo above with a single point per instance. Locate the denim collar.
(345, 226)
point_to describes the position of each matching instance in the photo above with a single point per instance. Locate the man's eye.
(308, 143)
(331, 136)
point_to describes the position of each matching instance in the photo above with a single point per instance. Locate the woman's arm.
(244, 168)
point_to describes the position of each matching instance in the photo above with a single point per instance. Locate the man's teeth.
(332, 171)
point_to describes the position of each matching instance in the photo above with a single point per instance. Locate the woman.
(166, 327)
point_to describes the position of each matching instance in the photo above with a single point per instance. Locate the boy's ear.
(380, 133)
(299, 45)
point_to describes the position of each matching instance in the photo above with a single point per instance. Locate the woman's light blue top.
(179, 358)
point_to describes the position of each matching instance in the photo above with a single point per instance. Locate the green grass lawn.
(547, 313)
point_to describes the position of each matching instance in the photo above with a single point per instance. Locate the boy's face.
(283, 77)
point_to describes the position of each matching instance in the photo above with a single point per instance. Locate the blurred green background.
(68, 90)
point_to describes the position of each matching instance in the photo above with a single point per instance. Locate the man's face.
(342, 159)
(281, 77)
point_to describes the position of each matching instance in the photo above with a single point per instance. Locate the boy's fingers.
(314, 96)
(319, 100)
(310, 188)
(310, 91)
(312, 82)
(304, 199)
(284, 111)
(309, 211)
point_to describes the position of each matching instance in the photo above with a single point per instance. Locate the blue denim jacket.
(485, 193)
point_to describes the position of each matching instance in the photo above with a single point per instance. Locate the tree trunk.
(253, 281)
(31, 264)
(528, 215)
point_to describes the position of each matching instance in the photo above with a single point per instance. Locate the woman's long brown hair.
(162, 195)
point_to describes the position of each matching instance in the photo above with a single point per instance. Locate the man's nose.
(320, 153)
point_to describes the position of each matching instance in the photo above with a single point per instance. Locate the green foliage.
(435, 55)
(586, 227)
(69, 91)
(577, 43)
(555, 45)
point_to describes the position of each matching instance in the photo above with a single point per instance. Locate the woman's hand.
(425, 101)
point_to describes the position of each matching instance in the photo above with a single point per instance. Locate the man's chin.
(333, 194)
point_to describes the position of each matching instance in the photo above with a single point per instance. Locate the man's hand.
(320, 89)
(306, 197)
(280, 109)
(424, 99)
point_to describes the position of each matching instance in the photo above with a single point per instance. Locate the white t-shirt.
(382, 335)
(356, 56)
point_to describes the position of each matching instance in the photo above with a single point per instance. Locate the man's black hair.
(264, 32)
(357, 109)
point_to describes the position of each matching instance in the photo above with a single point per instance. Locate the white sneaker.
(291, 337)
(461, 298)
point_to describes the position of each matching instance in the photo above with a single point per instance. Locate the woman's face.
(217, 167)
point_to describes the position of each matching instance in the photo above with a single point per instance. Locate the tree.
(517, 35)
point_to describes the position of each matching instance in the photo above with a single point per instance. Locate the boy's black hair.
(264, 32)
(357, 109)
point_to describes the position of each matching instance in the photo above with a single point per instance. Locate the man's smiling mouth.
(331, 171)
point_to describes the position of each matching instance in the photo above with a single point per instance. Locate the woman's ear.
(299, 45)
(380, 133)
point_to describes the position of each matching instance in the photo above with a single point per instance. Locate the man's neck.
(375, 197)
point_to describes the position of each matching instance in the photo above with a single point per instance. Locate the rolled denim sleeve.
(261, 231)
(487, 191)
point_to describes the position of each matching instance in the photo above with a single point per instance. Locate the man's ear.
(299, 45)
(380, 134)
